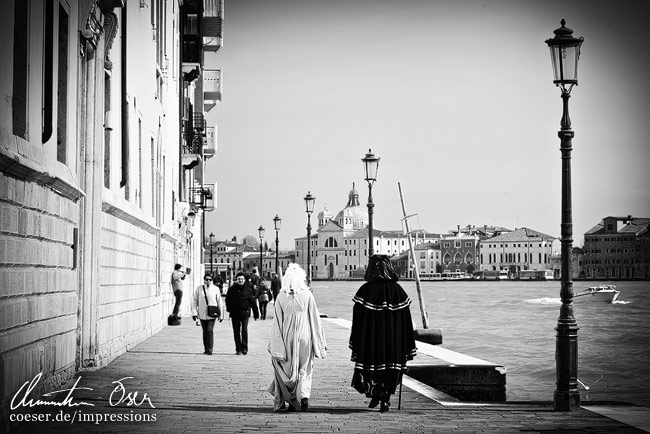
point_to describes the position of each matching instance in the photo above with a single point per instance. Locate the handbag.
(213, 311)
(264, 297)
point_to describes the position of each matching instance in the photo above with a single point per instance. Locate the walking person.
(178, 275)
(264, 297)
(239, 302)
(276, 285)
(207, 295)
(381, 338)
(296, 338)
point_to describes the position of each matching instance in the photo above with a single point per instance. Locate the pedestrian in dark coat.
(381, 338)
(239, 302)
(276, 285)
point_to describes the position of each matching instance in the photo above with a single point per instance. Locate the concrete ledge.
(464, 377)
(463, 382)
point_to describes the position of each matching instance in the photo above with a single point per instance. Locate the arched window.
(446, 259)
(458, 259)
(331, 242)
(469, 258)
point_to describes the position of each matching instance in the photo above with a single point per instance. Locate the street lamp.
(276, 223)
(260, 230)
(565, 52)
(371, 164)
(309, 205)
(211, 244)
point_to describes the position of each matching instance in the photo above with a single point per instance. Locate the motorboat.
(597, 294)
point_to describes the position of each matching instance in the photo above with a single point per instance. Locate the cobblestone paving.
(226, 393)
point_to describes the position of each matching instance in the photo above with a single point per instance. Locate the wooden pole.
(425, 318)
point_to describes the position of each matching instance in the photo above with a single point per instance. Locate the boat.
(597, 294)
(536, 275)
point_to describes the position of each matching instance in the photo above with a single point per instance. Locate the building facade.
(459, 253)
(521, 249)
(619, 248)
(98, 199)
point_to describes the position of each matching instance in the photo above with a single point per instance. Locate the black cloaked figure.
(381, 339)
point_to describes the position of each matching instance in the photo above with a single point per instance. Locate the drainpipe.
(125, 108)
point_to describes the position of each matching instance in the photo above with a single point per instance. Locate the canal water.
(512, 323)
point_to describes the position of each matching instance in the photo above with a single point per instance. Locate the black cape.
(382, 330)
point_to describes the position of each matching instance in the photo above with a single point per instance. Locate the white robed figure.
(296, 337)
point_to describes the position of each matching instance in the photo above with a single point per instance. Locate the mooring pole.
(425, 317)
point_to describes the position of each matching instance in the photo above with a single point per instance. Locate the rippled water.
(512, 323)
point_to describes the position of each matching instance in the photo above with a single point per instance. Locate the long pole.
(425, 317)
(260, 259)
(371, 205)
(211, 262)
(566, 396)
(276, 250)
(308, 249)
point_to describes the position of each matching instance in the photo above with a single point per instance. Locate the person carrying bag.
(264, 298)
(207, 307)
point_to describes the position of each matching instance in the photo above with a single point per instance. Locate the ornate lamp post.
(565, 52)
(276, 223)
(371, 164)
(260, 230)
(211, 245)
(309, 205)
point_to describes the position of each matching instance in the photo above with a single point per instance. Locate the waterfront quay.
(226, 393)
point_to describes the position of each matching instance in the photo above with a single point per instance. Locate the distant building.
(521, 249)
(427, 255)
(268, 262)
(618, 247)
(339, 245)
(459, 252)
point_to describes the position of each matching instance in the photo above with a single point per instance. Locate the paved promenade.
(226, 393)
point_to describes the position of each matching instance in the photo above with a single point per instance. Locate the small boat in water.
(597, 294)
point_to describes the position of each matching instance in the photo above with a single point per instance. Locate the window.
(51, 124)
(20, 75)
(331, 242)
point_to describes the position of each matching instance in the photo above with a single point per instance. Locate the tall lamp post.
(260, 230)
(211, 245)
(371, 164)
(276, 223)
(309, 205)
(565, 52)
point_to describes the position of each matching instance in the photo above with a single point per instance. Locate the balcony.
(199, 122)
(192, 50)
(212, 87)
(204, 197)
(212, 30)
(210, 144)
(192, 146)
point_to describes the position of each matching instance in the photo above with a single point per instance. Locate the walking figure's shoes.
(304, 404)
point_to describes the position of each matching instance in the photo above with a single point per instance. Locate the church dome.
(353, 216)
(325, 214)
(324, 217)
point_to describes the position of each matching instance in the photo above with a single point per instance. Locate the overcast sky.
(455, 97)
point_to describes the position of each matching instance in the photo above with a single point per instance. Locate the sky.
(455, 97)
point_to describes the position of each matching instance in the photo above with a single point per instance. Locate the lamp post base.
(566, 396)
(566, 401)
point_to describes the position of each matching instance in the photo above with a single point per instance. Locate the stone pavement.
(226, 393)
